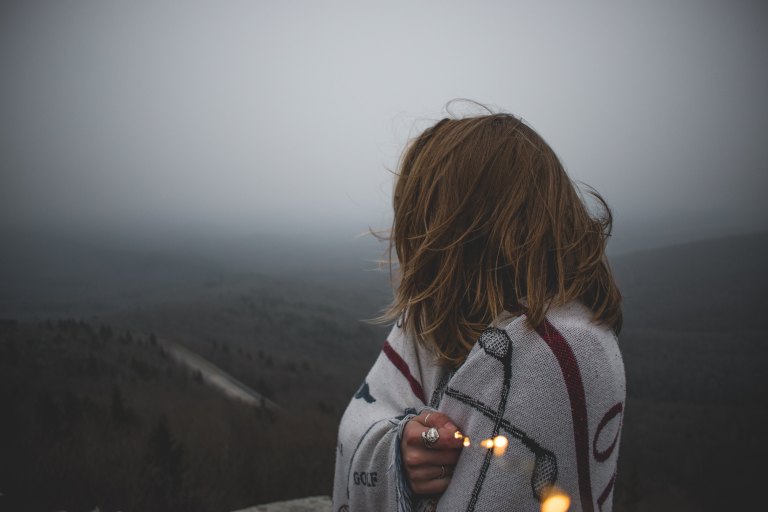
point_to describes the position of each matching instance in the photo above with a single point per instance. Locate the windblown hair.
(486, 219)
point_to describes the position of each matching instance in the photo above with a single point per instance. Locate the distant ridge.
(750, 239)
(710, 284)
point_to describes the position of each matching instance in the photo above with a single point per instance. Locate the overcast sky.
(254, 114)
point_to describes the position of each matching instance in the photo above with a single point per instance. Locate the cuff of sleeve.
(404, 493)
(405, 499)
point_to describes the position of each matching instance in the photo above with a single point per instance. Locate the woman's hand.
(429, 469)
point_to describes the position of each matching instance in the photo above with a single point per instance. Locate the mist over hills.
(285, 317)
(82, 275)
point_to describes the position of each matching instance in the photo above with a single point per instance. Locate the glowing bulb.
(499, 445)
(556, 502)
(458, 435)
(466, 441)
(487, 443)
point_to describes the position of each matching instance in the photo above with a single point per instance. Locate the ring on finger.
(426, 419)
(442, 471)
(430, 437)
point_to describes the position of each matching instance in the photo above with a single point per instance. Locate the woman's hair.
(486, 219)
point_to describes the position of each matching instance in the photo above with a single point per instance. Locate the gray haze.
(283, 116)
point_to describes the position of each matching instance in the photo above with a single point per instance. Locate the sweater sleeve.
(556, 395)
(369, 473)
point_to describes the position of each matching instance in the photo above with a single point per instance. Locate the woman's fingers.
(429, 466)
(419, 456)
(435, 419)
(430, 472)
(449, 435)
(430, 479)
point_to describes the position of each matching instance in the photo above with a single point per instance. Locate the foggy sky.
(286, 113)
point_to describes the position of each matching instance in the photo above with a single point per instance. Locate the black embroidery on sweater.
(496, 343)
(359, 443)
(366, 478)
(392, 421)
(545, 465)
(437, 394)
(365, 393)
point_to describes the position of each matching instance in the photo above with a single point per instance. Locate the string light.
(556, 501)
(500, 444)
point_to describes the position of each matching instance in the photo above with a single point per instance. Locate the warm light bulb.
(458, 435)
(556, 502)
(466, 441)
(500, 444)
(487, 443)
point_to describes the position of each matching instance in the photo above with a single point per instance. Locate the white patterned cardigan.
(557, 393)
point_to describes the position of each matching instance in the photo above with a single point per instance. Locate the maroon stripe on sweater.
(606, 492)
(572, 376)
(602, 456)
(401, 365)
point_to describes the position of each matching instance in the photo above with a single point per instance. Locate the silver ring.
(430, 437)
(426, 419)
(442, 471)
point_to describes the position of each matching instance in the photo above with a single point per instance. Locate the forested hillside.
(97, 414)
(94, 416)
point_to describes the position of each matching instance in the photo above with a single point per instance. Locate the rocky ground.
(313, 504)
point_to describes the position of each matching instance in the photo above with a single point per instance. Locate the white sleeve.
(369, 473)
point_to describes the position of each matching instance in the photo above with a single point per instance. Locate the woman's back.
(468, 407)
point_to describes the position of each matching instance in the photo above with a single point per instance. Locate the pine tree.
(121, 415)
(164, 488)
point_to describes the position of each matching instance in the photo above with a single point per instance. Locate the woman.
(501, 382)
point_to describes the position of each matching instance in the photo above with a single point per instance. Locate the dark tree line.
(94, 416)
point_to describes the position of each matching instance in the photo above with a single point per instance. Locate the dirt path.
(217, 377)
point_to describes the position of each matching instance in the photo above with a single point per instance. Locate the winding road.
(217, 377)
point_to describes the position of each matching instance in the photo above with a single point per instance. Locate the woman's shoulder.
(578, 320)
(578, 342)
(570, 334)
(573, 319)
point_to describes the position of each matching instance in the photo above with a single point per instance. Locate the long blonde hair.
(486, 219)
